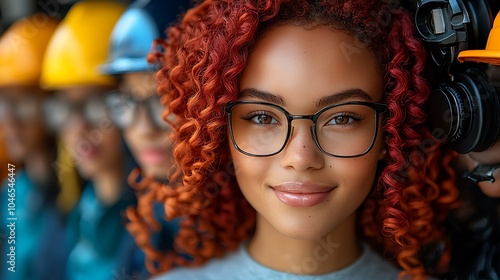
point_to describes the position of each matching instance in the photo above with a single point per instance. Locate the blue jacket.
(36, 230)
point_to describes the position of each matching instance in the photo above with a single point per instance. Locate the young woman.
(136, 107)
(475, 226)
(300, 142)
(101, 248)
(32, 185)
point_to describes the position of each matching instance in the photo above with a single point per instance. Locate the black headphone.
(464, 107)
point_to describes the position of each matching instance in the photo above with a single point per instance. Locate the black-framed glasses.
(25, 110)
(58, 111)
(123, 109)
(343, 130)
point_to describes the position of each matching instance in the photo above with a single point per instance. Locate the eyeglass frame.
(378, 108)
(74, 108)
(137, 103)
(15, 113)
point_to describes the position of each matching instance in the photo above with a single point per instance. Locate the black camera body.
(463, 106)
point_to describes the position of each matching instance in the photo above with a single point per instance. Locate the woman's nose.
(301, 152)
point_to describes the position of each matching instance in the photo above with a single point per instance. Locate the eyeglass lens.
(124, 108)
(58, 111)
(24, 110)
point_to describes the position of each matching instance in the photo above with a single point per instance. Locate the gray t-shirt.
(240, 266)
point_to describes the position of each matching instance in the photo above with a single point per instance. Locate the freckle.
(309, 216)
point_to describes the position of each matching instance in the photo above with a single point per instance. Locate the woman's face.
(148, 141)
(95, 144)
(21, 119)
(302, 192)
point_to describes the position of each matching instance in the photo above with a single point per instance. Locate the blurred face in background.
(79, 115)
(21, 121)
(137, 110)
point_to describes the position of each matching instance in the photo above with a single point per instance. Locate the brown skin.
(149, 144)
(104, 164)
(312, 63)
(24, 138)
(27, 142)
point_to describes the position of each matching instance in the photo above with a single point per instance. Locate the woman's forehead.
(292, 60)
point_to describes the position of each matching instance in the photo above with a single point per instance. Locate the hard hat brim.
(126, 65)
(480, 56)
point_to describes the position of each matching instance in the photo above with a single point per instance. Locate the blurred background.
(78, 112)
(12, 10)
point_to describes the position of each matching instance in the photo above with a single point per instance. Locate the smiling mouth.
(153, 156)
(302, 195)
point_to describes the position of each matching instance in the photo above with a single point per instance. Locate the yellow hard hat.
(80, 45)
(491, 54)
(22, 47)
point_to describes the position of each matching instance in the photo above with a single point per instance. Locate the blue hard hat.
(133, 35)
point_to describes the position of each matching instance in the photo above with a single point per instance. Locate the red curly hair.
(203, 60)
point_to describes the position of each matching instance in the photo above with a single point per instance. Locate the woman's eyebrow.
(343, 95)
(266, 96)
(322, 102)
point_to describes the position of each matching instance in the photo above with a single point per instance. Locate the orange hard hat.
(491, 54)
(22, 48)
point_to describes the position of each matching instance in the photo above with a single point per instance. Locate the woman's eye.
(342, 120)
(264, 119)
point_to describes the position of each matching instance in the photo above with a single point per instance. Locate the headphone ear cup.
(466, 112)
(449, 114)
(485, 109)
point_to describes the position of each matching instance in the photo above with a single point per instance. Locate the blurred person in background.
(135, 106)
(475, 225)
(101, 247)
(33, 185)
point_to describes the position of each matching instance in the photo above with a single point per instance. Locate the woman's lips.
(153, 156)
(89, 152)
(301, 195)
